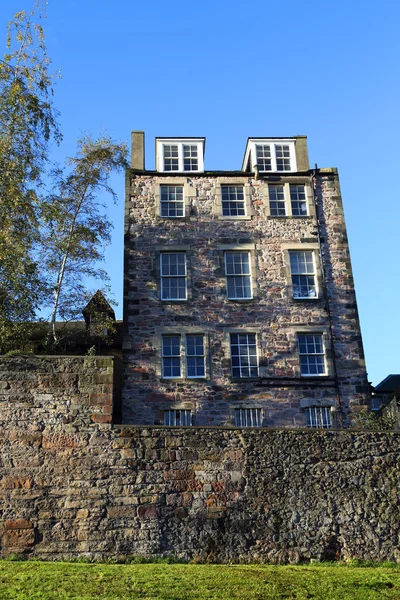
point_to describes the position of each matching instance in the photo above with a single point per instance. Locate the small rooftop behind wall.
(265, 154)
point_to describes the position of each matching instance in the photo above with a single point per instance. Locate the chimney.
(137, 150)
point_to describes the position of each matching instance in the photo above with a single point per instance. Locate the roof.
(97, 305)
(390, 384)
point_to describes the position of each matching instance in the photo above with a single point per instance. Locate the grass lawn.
(59, 581)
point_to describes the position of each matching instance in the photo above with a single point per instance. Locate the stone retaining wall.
(73, 484)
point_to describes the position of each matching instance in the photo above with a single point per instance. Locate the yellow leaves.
(19, 16)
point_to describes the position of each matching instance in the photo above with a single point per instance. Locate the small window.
(302, 268)
(319, 417)
(263, 157)
(282, 154)
(171, 356)
(171, 198)
(244, 357)
(180, 155)
(195, 366)
(238, 276)
(248, 417)
(312, 355)
(376, 402)
(298, 200)
(277, 205)
(171, 158)
(190, 158)
(233, 204)
(173, 276)
(287, 200)
(273, 156)
(178, 418)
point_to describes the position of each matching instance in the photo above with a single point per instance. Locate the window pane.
(176, 418)
(190, 159)
(298, 200)
(263, 157)
(171, 201)
(248, 417)
(312, 357)
(171, 161)
(195, 366)
(171, 351)
(244, 358)
(173, 276)
(238, 279)
(303, 274)
(277, 204)
(232, 200)
(318, 417)
(282, 154)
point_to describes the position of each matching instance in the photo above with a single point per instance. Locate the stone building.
(239, 298)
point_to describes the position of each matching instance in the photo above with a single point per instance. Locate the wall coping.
(266, 430)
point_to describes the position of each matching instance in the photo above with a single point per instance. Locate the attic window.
(273, 157)
(270, 155)
(180, 155)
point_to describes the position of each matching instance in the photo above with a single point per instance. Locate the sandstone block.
(147, 511)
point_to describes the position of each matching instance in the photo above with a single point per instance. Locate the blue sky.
(224, 71)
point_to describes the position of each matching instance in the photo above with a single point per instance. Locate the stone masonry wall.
(72, 484)
(272, 314)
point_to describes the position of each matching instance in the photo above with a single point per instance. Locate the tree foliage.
(49, 244)
(27, 126)
(76, 226)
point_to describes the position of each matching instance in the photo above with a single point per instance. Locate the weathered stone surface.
(229, 494)
(18, 524)
(273, 312)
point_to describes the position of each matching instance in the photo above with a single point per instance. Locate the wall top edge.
(55, 356)
(266, 430)
(231, 173)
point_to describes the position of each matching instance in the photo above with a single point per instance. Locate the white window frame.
(313, 274)
(183, 335)
(171, 356)
(287, 201)
(305, 201)
(202, 356)
(240, 355)
(169, 203)
(318, 417)
(242, 275)
(163, 277)
(248, 417)
(273, 144)
(313, 334)
(179, 143)
(236, 201)
(172, 415)
(281, 202)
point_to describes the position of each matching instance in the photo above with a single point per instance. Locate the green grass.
(61, 580)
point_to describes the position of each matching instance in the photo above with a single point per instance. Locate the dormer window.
(270, 155)
(171, 158)
(190, 158)
(180, 155)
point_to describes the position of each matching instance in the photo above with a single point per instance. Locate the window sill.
(179, 172)
(238, 218)
(183, 379)
(244, 379)
(290, 217)
(241, 300)
(183, 218)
